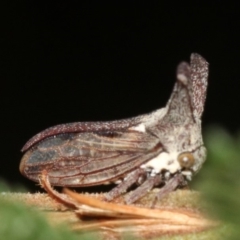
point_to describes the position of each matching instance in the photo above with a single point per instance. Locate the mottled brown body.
(163, 148)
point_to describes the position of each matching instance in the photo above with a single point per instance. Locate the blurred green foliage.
(219, 180)
(6, 187)
(20, 222)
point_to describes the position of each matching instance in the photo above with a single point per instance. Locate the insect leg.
(143, 189)
(124, 185)
(174, 182)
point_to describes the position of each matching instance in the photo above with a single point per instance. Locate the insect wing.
(78, 127)
(89, 158)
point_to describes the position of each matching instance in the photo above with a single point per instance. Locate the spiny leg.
(174, 182)
(143, 189)
(125, 184)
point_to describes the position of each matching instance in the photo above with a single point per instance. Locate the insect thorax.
(180, 141)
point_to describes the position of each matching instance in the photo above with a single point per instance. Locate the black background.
(73, 61)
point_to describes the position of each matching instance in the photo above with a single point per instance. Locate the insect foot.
(152, 150)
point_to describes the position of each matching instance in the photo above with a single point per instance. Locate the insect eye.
(186, 160)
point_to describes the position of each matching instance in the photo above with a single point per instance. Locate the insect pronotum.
(163, 148)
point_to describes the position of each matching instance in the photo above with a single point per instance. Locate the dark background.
(85, 61)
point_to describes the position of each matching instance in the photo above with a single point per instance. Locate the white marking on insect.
(187, 174)
(140, 128)
(166, 161)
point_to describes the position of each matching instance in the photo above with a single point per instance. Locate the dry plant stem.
(83, 210)
(127, 218)
(137, 225)
(94, 212)
(166, 216)
(44, 182)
